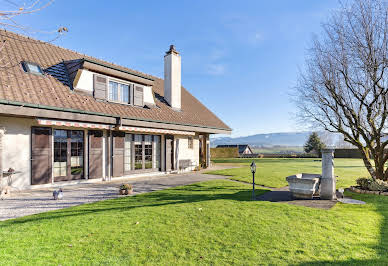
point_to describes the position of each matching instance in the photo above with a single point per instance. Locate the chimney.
(172, 78)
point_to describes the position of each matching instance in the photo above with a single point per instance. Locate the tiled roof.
(53, 88)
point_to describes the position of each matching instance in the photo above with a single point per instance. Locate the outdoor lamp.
(253, 167)
(253, 170)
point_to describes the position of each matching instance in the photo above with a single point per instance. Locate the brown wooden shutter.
(100, 87)
(131, 93)
(41, 156)
(169, 153)
(138, 96)
(95, 154)
(118, 153)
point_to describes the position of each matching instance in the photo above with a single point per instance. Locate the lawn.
(272, 172)
(213, 222)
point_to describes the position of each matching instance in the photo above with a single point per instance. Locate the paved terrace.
(41, 200)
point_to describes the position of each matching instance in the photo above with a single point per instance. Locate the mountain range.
(262, 140)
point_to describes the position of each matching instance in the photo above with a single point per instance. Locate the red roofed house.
(67, 117)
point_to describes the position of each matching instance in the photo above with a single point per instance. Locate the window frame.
(27, 69)
(119, 90)
(190, 142)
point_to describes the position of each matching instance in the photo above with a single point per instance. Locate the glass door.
(68, 155)
(138, 152)
(148, 152)
(77, 154)
(60, 155)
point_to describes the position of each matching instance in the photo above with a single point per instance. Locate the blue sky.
(240, 58)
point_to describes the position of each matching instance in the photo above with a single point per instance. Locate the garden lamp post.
(253, 170)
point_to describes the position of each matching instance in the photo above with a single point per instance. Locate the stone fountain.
(307, 186)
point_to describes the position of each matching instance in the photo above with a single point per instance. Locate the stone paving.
(41, 200)
(283, 195)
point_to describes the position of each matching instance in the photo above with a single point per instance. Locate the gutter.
(118, 118)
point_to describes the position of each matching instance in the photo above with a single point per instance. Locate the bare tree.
(14, 9)
(344, 86)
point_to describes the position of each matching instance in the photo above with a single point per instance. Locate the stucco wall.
(185, 153)
(16, 148)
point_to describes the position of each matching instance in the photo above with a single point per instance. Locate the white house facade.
(67, 117)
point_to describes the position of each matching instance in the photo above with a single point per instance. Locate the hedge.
(223, 153)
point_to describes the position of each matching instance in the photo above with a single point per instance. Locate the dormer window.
(119, 92)
(33, 68)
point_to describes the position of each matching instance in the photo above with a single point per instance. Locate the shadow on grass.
(381, 204)
(179, 195)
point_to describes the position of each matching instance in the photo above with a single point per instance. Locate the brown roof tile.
(16, 85)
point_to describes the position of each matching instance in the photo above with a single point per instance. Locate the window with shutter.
(138, 96)
(100, 87)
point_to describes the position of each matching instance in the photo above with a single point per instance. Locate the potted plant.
(126, 189)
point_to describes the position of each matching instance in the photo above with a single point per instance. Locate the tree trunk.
(366, 159)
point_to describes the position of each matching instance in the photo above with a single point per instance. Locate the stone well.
(304, 186)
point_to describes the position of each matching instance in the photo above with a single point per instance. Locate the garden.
(212, 222)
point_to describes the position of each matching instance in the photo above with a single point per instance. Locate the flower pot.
(123, 192)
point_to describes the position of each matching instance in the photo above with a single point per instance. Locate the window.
(68, 153)
(113, 91)
(147, 151)
(77, 152)
(190, 142)
(119, 92)
(124, 89)
(138, 152)
(32, 68)
(60, 153)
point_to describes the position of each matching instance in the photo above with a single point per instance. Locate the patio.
(41, 200)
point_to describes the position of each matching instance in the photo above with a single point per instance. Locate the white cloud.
(215, 69)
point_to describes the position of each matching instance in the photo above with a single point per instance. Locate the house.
(66, 117)
(242, 148)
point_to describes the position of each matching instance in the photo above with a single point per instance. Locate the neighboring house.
(65, 116)
(242, 149)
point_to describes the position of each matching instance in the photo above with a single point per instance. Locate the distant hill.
(262, 140)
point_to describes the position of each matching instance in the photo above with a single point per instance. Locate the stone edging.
(362, 191)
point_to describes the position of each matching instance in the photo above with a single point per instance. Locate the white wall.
(185, 153)
(84, 80)
(148, 95)
(16, 148)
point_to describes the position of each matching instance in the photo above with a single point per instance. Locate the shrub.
(378, 185)
(224, 153)
(363, 182)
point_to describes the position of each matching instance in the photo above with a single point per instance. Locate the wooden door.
(95, 154)
(41, 166)
(169, 154)
(118, 153)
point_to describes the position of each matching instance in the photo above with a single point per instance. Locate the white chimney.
(172, 78)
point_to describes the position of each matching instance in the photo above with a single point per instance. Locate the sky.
(239, 58)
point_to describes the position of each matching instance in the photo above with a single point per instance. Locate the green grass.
(272, 172)
(279, 149)
(212, 222)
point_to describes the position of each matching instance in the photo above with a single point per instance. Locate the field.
(272, 172)
(279, 150)
(212, 222)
